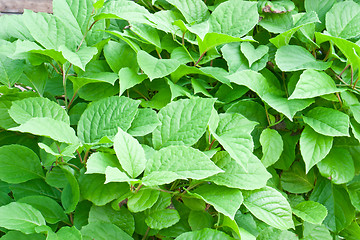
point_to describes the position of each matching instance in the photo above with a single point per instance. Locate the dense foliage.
(186, 119)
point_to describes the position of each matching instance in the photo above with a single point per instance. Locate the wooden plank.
(18, 6)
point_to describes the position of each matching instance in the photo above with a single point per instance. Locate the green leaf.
(69, 233)
(70, 195)
(98, 162)
(269, 93)
(225, 200)
(343, 20)
(130, 153)
(162, 218)
(310, 211)
(21, 217)
(48, 127)
(337, 202)
(243, 18)
(199, 220)
(338, 171)
(353, 188)
(314, 147)
(145, 122)
(176, 162)
(270, 206)
(121, 218)
(312, 232)
(253, 54)
(92, 188)
(79, 58)
(272, 146)
(293, 58)
(321, 7)
(154, 67)
(10, 70)
(104, 117)
(19, 164)
(93, 77)
(103, 231)
(205, 233)
(183, 122)
(147, 33)
(295, 180)
(129, 78)
(238, 143)
(312, 84)
(23, 110)
(328, 121)
(15, 235)
(48, 207)
(254, 177)
(116, 52)
(74, 14)
(114, 174)
(212, 40)
(194, 11)
(142, 200)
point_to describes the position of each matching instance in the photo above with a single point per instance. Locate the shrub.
(180, 119)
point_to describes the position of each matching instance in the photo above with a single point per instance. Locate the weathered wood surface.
(18, 6)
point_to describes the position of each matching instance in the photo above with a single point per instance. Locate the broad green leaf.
(104, 117)
(48, 127)
(147, 33)
(183, 122)
(199, 220)
(50, 31)
(116, 52)
(225, 200)
(70, 195)
(328, 121)
(48, 207)
(142, 200)
(79, 58)
(270, 206)
(13, 26)
(272, 146)
(238, 143)
(295, 180)
(21, 217)
(350, 50)
(162, 218)
(205, 233)
(129, 78)
(176, 162)
(284, 38)
(15, 235)
(92, 188)
(98, 162)
(213, 39)
(269, 93)
(154, 67)
(123, 9)
(313, 83)
(93, 77)
(337, 202)
(23, 110)
(314, 147)
(130, 153)
(280, 6)
(121, 218)
(351, 232)
(310, 211)
(194, 11)
(114, 174)
(270, 233)
(293, 58)
(75, 14)
(338, 171)
(69, 233)
(243, 18)
(235, 176)
(103, 231)
(145, 122)
(353, 188)
(253, 54)
(321, 7)
(10, 70)
(316, 232)
(277, 23)
(19, 164)
(34, 187)
(343, 20)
